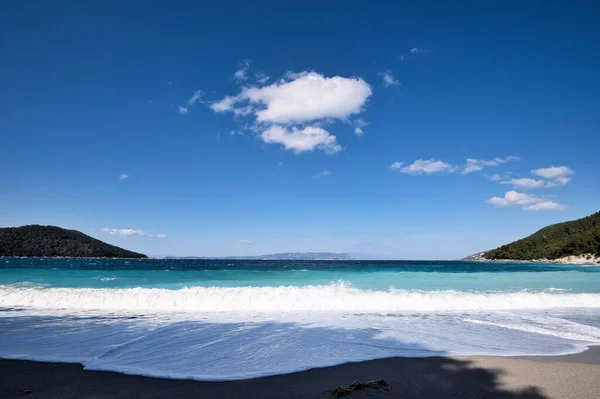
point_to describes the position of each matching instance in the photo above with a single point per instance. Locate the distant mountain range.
(282, 256)
(52, 241)
(577, 238)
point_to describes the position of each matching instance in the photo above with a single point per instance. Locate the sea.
(234, 319)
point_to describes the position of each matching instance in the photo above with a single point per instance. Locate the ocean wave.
(332, 297)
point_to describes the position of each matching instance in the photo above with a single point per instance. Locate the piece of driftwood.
(356, 385)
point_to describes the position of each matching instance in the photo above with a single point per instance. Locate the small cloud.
(236, 133)
(555, 176)
(528, 202)
(261, 77)
(132, 232)
(526, 183)
(358, 125)
(241, 74)
(322, 173)
(182, 110)
(388, 78)
(301, 140)
(124, 232)
(416, 50)
(476, 165)
(422, 166)
(197, 96)
(123, 176)
(243, 242)
(553, 172)
(413, 52)
(545, 206)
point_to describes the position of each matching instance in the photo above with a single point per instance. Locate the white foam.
(333, 297)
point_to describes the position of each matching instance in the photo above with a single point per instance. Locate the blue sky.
(358, 142)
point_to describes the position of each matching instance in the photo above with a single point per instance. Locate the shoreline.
(564, 376)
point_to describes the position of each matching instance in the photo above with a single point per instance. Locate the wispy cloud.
(358, 125)
(476, 165)
(423, 166)
(243, 242)
(242, 73)
(388, 78)
(553, 172)
(413, 52)
(123, 176)
(554, 176)
(197, 96)
(528, 202)
(182, 110)
(261, 77)
(322, 174)
(132, 232)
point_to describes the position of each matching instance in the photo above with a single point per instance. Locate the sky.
(387, 129)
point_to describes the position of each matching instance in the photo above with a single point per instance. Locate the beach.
(570, 376)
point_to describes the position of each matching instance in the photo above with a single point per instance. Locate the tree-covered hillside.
(578, 237)
(52, 241)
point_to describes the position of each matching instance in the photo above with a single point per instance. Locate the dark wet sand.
(571, 376)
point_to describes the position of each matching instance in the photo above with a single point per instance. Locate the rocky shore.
(587, 259)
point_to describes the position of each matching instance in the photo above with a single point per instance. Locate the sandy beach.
(570, 376)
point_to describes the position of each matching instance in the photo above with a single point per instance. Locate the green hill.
(52, 241)
(578, 237)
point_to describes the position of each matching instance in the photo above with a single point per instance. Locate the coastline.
(565, 376)
(589, 259)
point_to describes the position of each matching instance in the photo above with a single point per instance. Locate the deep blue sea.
(230, 319)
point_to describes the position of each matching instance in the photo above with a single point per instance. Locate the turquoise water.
(407, 275)
(230, 319)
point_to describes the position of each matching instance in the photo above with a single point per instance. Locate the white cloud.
(261, 77)
(388, 78)
(514, 198)
(123, 176)
(310, 96)
(413, 52)
(226, 104)
(243, 242)
(242, 111)
(358, 125)
(124, 232)
(132, 232)
(283, 109)
(421, 166)
(561, 181)
(322, 173)
(301, 140)
(241, 74)
(496, 178)
(545, 206)
(182, 110)
(526, 183)
(416, 50)
(528, 202)
(553, 172)
(556, 176)
(198, 94)
(475, 165)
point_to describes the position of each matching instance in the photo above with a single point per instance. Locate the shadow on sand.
(420, 377)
